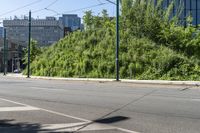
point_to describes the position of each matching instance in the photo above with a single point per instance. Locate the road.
(33, 105)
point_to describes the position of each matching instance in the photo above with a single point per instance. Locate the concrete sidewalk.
(161, 82)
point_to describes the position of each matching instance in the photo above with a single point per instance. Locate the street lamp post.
(117, 40)
(5, 53)
(185, 13)
(29, 45)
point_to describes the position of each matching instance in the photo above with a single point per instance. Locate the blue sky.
(7, 7)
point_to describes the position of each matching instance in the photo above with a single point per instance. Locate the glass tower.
(188, 7)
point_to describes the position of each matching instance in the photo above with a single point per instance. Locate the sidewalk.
(161, 82)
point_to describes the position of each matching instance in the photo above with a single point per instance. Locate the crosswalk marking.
(86, 125)
(10, 109)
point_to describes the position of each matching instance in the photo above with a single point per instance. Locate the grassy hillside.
(152, 47)
(92, 54)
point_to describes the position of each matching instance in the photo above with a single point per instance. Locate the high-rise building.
(1, 32)
(44, 31)
(71, 21)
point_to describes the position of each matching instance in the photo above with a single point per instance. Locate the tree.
(88, 19)
(97, 22)
(126, 6)
(105, 16)
(35, 51)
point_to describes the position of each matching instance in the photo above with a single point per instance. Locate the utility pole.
(29, 45)
(185, 13)
(196, 17)
(191, 13)
(5, 53)
(117, 40)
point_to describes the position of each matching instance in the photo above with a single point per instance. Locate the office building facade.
(44, 31)
(71, 21)
(188, 8)
(1, 32)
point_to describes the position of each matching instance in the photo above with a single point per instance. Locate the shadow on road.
(10, 126)
(111, 120)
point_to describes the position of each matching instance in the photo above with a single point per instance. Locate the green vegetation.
(35, 51)
(153, 46)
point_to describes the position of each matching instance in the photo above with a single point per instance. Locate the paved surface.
(33, 105)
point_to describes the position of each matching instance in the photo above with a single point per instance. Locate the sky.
(19, 8)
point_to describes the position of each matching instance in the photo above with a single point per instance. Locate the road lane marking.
(50, 111)
(126, 130)
(73, 127)
(69, 116)
(195, 100)
(15, 102)
(10, 109)
(24, 107)
(83, 126)
(88, 121)
(62, 114)
(43, 88)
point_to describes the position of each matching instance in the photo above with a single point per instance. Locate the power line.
(57, 13)
(19, 8)
(111, 2)
(51, 4)
(99, 1)
(52, 11)
(75, 10)
(39, 10)
(46, 8)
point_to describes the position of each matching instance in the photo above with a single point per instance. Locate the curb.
(163, 82)
(160, 82)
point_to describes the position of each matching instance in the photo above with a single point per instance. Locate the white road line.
(69, 116)
(195, 100)
(61, 114)
(72, 127)
(126, 130)
(14, 102)
(50, 111)
(58, 126)
(10, 109)
(42, 88)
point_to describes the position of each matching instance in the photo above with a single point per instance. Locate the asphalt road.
(30, 105)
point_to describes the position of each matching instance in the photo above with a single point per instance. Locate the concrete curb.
(163, 82)
(160, 82)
